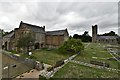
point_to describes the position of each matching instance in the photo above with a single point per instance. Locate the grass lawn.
(50, 56)
(13, 72)
(47, 56)
(72, 70)
(96, 50)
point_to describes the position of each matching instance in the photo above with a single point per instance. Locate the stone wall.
(40, 38)
(54, 41)
(108, 41)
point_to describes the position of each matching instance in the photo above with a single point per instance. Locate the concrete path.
(34, 73)
(115, 56)
(65, 62)
(87, 45)
(94, 66)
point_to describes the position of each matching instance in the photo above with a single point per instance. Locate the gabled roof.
(34, 28)
(9, 35)
(57, 32)
(107, 37)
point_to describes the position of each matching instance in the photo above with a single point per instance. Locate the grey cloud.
(57, 15)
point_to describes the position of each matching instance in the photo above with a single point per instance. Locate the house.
(108, 39)
(43, 38)
(8, 41)
(56, 38)
(103, 39)
(37, 32)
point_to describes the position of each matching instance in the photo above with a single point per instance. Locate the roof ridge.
(31, 24)
(56, 30)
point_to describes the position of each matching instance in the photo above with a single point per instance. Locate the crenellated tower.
(94, 33)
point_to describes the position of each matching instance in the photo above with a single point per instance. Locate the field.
(72, 70)
(50, 56)
(92, 51)
(96, 52)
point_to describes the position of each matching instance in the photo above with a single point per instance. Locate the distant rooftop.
(57, 32)
(9, 35)
(107, 37)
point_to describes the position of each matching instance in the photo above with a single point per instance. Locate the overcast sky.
(76, 16)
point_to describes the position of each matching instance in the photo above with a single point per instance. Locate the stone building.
(42, 38)
(108, 39)
(103, 39)
(8, 41)
(37, 32)
(56, 38)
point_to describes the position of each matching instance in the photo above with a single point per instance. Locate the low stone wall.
(29, 62)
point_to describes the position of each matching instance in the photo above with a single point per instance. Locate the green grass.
(72, 70)
(96, 50)
(13, 72)
(47, 56)
(50, 56)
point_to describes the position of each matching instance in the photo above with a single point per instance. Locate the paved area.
(31, 74)
(34, 73)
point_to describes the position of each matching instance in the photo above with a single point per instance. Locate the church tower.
(94, 33)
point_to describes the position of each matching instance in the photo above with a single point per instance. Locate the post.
(8, 71)
(1, 32)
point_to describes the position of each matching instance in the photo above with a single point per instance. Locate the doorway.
(36, 45)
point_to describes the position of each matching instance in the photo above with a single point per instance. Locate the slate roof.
(57, 32)
(34, 28)
(9, 35)
(107, 37)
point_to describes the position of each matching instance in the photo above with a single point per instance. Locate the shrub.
(12, 51)
(59, 63)
(71, 45)
(32, 57)
(42, 78)
(49, 69)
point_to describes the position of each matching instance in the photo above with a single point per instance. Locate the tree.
(76, 36)
(26, 42)
(5, 33)
(72, 44)
(111, 33)
(84, 37)
(86, 33)
(70, 37)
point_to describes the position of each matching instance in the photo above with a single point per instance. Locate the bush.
(32, 57)
(59, 63)
(12, 51)
(49, 69)
(42, 78)
(72, 45)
